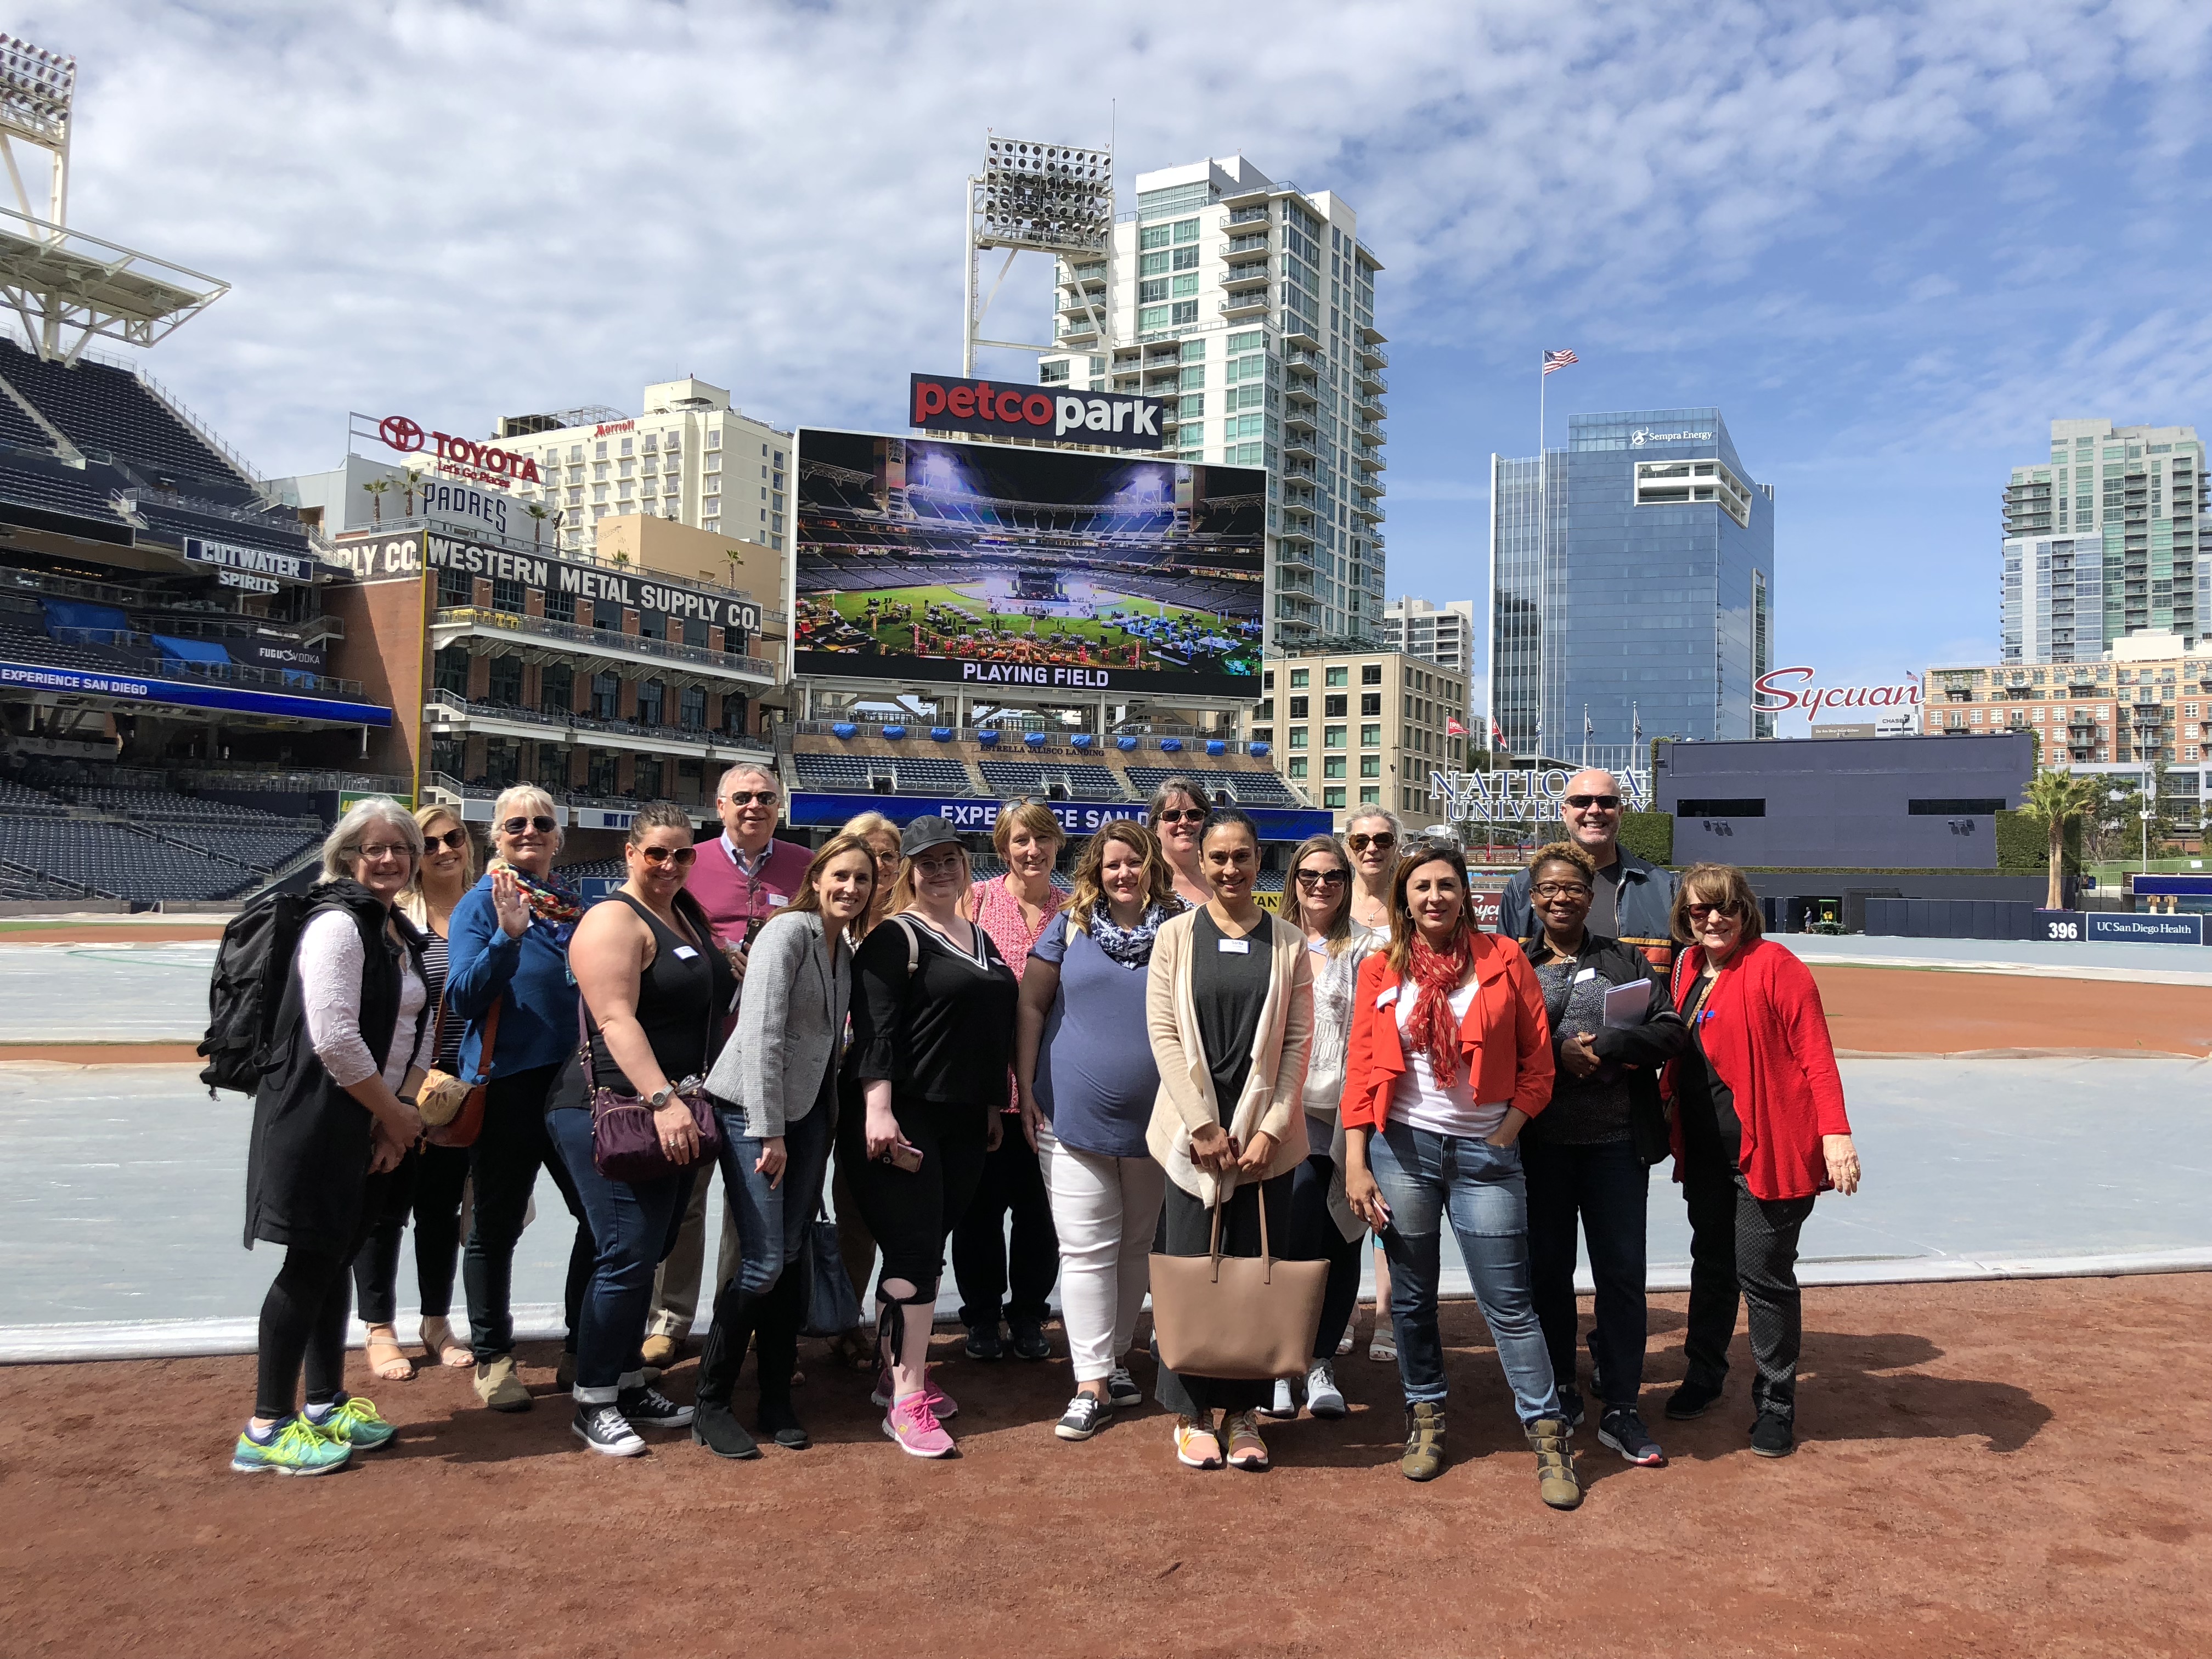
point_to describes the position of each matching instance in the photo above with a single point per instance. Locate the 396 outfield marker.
(941, 405)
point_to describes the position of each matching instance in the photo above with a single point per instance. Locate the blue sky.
(1890, 243)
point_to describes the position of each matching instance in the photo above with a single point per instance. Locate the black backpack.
(248, 988)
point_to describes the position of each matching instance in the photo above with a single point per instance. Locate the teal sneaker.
(297, 1447)
(354, 1422)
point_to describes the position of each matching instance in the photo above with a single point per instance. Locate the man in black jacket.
(1633, 897)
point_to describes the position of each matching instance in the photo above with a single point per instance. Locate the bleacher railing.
(1057, 744)
(604, 639)
(231, 673)
(699, 735)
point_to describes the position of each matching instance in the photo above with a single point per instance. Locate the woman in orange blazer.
(1450, 1056)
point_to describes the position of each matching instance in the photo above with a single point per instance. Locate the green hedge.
(1650, 835)
(2024, 845)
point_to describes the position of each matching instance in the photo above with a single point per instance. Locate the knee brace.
(891, 1317)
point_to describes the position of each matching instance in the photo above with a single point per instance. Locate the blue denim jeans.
(772, 1220)
(632, 1227)
(1425, 1179)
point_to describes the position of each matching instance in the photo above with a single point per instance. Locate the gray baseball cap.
(925, 833)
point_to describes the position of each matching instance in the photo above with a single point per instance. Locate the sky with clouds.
(1890, 243)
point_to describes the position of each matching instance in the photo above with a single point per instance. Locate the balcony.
(1301, 442)
(1297, 330)
(1240, 277)
(1072, 329)
(1371, 354)
(1372, 383)
(1247, 216)
(567, 639)
(1370, 459)
(1245, 247)
(1092, 275)
(1245, 304)
(448, 714)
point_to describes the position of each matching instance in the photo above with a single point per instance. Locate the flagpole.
(1543, 536)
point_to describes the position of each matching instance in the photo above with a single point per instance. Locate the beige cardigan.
(1273, 1090)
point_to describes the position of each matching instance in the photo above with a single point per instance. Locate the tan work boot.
(662, 1352)
(1424, 1458)
(498, 1388)
(1556, 1482)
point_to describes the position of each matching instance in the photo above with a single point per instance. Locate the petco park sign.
(1781, 690)
(463, 458)
(938, 404)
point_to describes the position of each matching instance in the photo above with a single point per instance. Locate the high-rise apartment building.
(2104, 541)
(1444, 634)
(1631, 588)
(1250, 305)
(1356, 729)
(689, 456)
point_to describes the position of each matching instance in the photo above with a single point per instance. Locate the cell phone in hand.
(903, 1154)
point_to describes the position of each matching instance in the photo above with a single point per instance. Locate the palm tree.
(376, 486)
(538, 512)
(2058, 797)
(412, 482)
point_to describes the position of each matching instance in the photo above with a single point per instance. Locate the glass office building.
(1631, 578)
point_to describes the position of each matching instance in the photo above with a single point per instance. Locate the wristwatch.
(659, 1097)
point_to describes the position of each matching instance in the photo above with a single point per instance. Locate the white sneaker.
(1323, 1397)
(1285, 1403)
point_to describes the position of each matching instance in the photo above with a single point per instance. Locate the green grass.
(2110, 874)
(852, 607)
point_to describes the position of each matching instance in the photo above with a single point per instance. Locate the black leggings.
(910, 1212)
(428, 1185)
(303, 1323)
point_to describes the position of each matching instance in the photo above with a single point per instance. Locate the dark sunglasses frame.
(453, 841)
(1386, 841)
(1610, 803)
(1183, 814)
(1698, 912)
(662, 854)
(544, 826)
(758, 797)
(1322, 878)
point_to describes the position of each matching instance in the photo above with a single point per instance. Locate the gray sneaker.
(1622, 1431)
(1121, 1389)
(1323, 1397)
(1085, 1416)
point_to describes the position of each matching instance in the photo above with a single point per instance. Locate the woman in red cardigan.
(1449, 1056)
(1759, 1130)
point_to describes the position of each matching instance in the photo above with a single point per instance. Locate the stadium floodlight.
(1035, 198)
(62, 282)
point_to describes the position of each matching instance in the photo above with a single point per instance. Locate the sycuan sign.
(938, 404)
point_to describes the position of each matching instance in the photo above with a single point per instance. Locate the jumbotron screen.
(999, 567)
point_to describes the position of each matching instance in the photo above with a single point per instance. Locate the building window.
(1333, 707)
(1155, 290)
(506, 687)
(450, 671)
(650, 695)
(1297, 736)
(603, 774)
(559, 606)
(1186, 230)
(556, 689)
(1370, 766)
(691, 709)
(1370, 673)
(645, 778)
(1333, 797)
(455, 587)
(1298, 767)
(606, 697)
(1333, 766)
(1336, 676)
(1332, 736)
(1370, 795)
(1298, 708)
(506, 596)
(1299, 678)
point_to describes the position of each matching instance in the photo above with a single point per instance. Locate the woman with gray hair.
(507, 952)
(328, 1121)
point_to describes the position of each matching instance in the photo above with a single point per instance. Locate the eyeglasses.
(1183, 815)
(453, 839)
(1561, 889)
(1381, 843)
(1322, 878)
(544, 826)
(948, 865)
(1718, 912)
(758, 797)
(659, 855)
(1610, 802)
(388, 850)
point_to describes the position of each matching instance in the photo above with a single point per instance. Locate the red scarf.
(1433, 1030)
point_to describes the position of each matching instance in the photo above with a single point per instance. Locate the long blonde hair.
(902, 888)
(413, 902)
(1090, 864)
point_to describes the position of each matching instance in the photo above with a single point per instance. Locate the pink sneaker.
(915, 1427)
(941, 1404)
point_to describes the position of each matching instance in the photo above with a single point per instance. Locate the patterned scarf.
(1130, 947)
(549, 901)
(1432, 1031)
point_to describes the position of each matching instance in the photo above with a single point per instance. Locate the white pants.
(1105, 1209)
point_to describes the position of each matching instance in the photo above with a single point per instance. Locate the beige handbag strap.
(1266, 1250)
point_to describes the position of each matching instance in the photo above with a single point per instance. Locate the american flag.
(1558, 360)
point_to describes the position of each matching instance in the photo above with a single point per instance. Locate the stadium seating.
(178, 520)
(118, 861)
(106, 409)
(1083, 780)
(1245, 788)
(592, 870)
(18, 801)
(835, 773)
(21, 644)
(19, 431)
(931, 775)
(57, 487)
(254, 847)
(155, 805)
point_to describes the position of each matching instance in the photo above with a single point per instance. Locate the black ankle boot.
(778, 1342)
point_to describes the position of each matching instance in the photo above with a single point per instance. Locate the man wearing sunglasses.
(741, 877)
(1632, 897)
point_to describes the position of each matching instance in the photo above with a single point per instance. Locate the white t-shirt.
(1419, 1102)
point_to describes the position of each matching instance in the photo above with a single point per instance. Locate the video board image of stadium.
(995, 566)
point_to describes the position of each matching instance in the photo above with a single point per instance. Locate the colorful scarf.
(1130, 947)
(1432, 1029)
(549, 901)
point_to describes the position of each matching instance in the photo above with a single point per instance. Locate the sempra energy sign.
(938, 403)
(1781, 690)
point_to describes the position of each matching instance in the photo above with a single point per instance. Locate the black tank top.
(682, 997)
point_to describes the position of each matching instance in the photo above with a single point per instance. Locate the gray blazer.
(791, 1025)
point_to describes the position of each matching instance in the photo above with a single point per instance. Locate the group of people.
(945, 1058)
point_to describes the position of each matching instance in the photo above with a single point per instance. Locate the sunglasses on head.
(453, 839)
(1608, 802)
(758, 797)
(658, 855)
(1183, 814)
(1382, 842)
(544, 826)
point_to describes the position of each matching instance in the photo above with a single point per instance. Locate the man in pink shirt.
(741, 877)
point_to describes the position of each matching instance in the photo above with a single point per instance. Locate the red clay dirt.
(1971, 1483)
(1923, 1012)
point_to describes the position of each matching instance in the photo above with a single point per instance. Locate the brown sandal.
(386, 1361)
(440, 1345)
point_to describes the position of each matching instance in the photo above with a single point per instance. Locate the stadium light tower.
(59, 280)
(1038, 198)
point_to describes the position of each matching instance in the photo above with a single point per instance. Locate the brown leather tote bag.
(1236, 1317)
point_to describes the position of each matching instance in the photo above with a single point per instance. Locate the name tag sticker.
(1587, 973)
(685, 953)
(1387, 998)
(1235, 947)
(777, 901)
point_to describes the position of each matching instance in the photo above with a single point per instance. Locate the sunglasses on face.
(1610, 802)
(453, 841)
(1717, 912)
(758, 797)
(1561, 889)
(1381, 843)
(660, 856)
(1183, 815)
(516, 826)
(1321, 877)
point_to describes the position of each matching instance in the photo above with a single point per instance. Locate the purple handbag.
(625, 1146)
